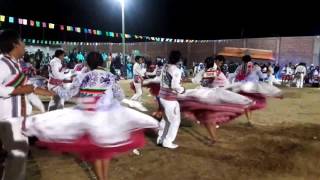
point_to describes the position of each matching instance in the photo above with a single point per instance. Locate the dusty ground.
(283, 144)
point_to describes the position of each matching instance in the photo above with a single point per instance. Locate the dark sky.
(175, 18)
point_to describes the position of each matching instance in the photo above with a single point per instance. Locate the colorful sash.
(89, 98)
(90, 91)
(17, 81)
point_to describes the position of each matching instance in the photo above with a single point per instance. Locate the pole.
(123, 36)
(123, 30)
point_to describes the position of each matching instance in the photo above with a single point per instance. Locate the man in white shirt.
(300, 72)
(170, 87)
(13, 103)
(138, 74)
(270, 75)
(56, 79)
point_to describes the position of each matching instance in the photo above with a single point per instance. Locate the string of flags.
(59, 43)
(96, 32)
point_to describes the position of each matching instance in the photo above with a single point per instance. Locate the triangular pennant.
(11, 19)
(51, 26)
(25, 22)
(78, 30)
(2, 18)
(31, 23)
(38, 24)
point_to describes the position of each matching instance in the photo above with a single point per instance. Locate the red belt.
(167, 94)
(137, 79)
(56, 82)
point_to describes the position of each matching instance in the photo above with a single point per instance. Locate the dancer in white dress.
(249, 85)
(212, 104)
(99, 127)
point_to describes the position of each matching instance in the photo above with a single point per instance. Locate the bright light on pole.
(122, 3)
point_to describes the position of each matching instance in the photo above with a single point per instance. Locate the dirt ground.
(283, 144)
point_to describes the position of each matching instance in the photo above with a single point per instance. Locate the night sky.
(171, 18)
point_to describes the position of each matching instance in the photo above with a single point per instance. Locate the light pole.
(123, 29)
(124, 61)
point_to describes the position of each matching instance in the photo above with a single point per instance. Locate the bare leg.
(106, 164)
(211, 128)
(98, 169)
(248, 114)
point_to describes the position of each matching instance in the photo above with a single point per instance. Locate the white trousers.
(55, 102)
(169, 125)
(138, 94)
(16, 146)
(271, 79)
(300, 81)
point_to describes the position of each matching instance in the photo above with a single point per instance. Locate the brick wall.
(286, 49)
(296, 49)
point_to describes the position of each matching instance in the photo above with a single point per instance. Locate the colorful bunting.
(33, 23)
